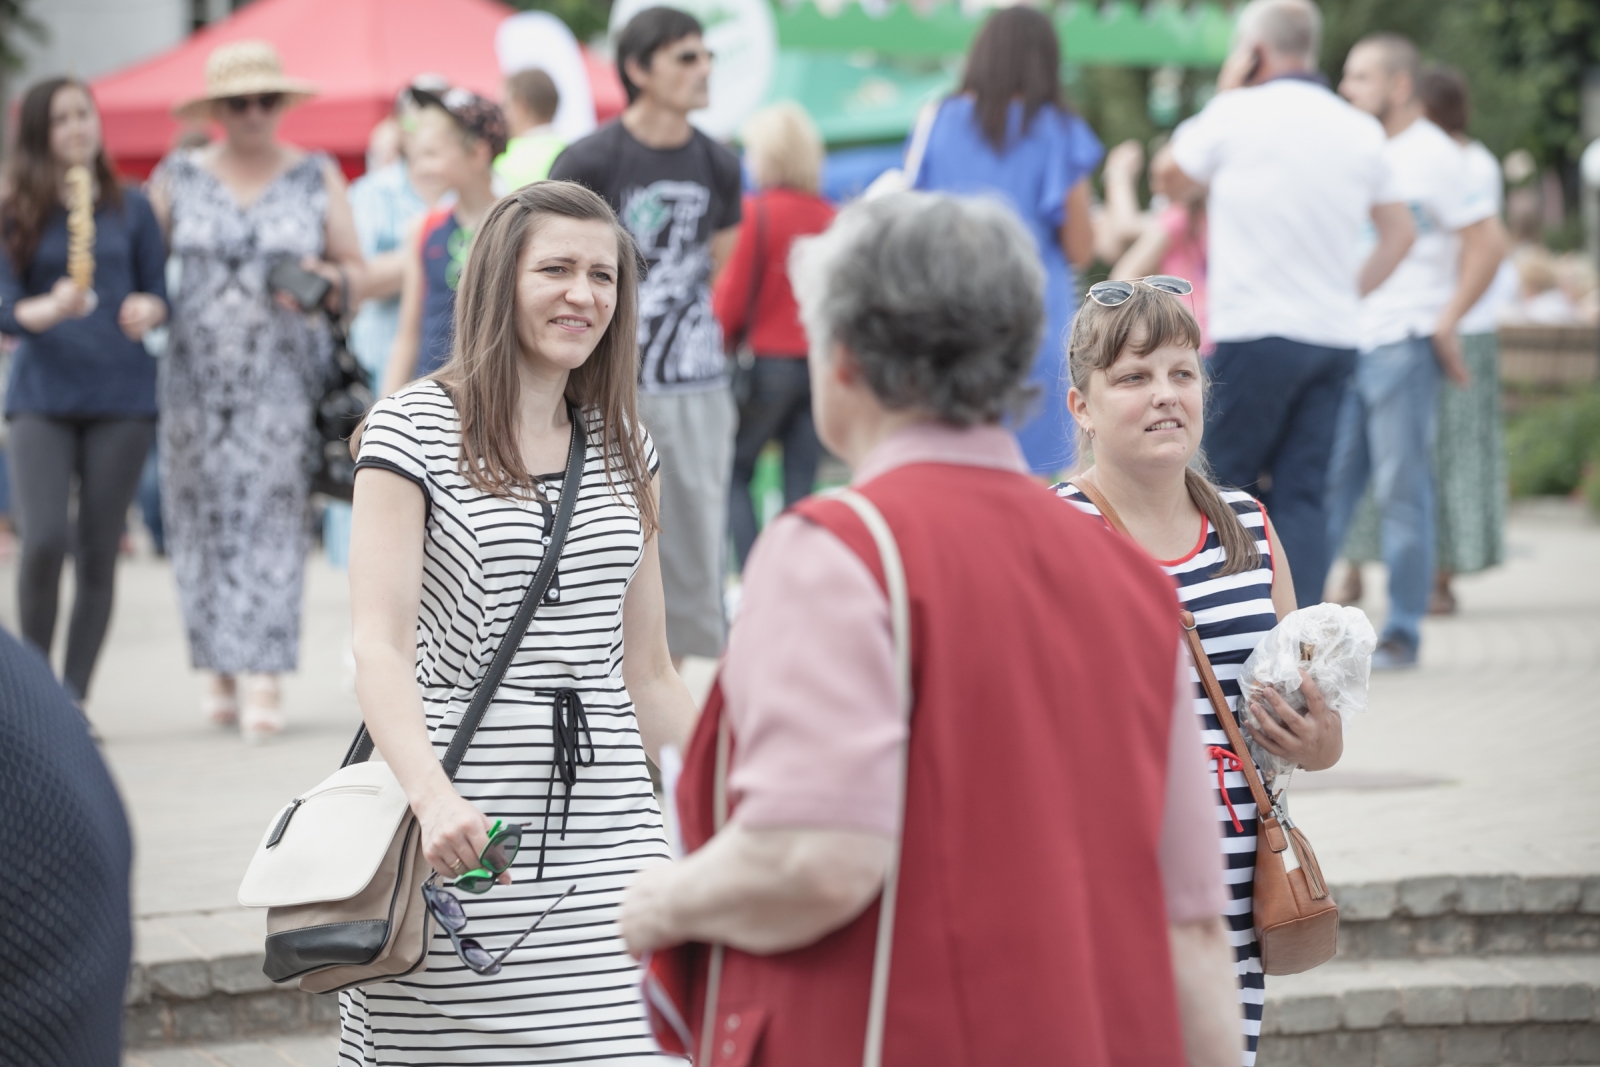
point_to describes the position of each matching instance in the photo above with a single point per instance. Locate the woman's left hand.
(1313, 739)
(643, 916)
(140, 313)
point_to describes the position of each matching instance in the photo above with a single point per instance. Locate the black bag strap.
(361, 748)
(758, 269)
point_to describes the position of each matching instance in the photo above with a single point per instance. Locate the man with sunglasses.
(678, 193)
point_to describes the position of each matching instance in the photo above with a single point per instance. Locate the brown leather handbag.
(1297, 921)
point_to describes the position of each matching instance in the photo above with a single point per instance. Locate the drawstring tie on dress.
(1227, 761)
(569, 734)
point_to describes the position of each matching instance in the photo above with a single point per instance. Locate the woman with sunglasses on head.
(241, 373)
(1138, 397)
(81, 403)
(456, 509)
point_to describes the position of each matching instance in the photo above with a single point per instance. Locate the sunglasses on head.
(447, 909)
(1111, 294)
(504, 842)
(265, 101)
(691, 56)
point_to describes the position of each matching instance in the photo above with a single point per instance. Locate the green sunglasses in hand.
(504, 841)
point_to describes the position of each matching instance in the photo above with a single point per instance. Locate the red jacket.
(1031, 926)
(786, 214)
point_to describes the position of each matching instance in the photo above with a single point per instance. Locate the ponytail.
(1238, 547)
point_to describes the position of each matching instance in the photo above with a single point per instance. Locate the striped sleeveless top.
(1232, 614)
(569, 994)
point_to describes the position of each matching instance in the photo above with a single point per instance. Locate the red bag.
(665, 991)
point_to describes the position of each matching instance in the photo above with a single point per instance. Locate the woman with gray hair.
(1031, 921)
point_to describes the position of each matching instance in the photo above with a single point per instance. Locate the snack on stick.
(80, 227)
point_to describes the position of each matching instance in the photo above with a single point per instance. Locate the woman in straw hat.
(240, 375)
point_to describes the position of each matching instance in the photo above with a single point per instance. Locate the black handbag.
(742, 363)
(345, 397)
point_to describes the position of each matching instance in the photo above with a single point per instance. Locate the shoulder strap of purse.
(361, 747)
(894, 578)
(1202, 664)
(918, 148)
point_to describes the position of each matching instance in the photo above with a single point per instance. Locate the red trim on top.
(1205, 528)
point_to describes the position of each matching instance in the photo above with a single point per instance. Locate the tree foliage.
(1525, 61)
(587, 19)
(15, 24)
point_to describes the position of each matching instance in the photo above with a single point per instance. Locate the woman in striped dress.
(451, 517)
(1138, 398)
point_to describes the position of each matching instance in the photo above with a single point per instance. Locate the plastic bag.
(1333, 644)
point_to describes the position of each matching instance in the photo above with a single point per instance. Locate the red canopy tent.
(359, 53)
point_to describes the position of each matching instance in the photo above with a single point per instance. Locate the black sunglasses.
(447, 909)
(1111, 294)
(265, 101)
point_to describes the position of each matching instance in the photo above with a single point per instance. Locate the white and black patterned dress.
(238, 382)
(1232, 613)
(569, 994)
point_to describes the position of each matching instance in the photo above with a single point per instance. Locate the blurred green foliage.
(1553, 446)
(15, 24)
(587, 19)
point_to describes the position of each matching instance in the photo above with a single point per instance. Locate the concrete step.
(197, 975)
(1478, 915)
(1535, 1010)
(297, 1050)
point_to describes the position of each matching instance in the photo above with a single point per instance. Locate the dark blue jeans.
(779, 408)
(1270, 426)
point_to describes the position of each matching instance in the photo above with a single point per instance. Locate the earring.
(1091, 435)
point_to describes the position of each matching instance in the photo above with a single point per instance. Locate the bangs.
(1146, 321)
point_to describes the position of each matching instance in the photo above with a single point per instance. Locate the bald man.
(1408, 336)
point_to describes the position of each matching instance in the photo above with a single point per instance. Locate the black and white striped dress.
(569, 994)
(1232, 613)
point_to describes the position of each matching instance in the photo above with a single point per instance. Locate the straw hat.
(244, 68)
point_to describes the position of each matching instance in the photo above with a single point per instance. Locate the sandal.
(260, 717)
(220, 709)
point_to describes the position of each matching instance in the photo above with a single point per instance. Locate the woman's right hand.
(71, 302)
(454, 834)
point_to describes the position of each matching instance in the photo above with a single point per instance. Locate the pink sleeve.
(1191, 856)
(809, 688)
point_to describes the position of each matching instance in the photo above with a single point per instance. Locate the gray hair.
(1287, 27)
(940, 300)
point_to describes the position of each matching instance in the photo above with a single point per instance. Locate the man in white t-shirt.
(1408, 336)
(1295, 177)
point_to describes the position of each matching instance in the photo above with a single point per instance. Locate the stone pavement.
(1481, 762)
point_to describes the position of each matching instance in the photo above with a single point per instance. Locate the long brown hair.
(481, 374)
(32, 189)
(1016, 56)
(1148, 320)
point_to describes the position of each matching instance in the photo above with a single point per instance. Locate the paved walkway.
(1503, 718)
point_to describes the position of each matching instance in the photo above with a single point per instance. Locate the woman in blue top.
(1009, 133)
(81, 402)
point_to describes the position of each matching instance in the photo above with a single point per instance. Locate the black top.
(65, 934)
(86, 367)
(673, 201)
